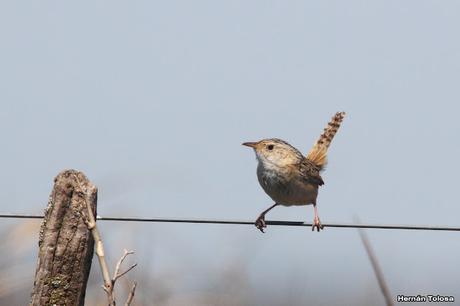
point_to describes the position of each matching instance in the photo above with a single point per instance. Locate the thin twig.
(120, 261)
(131, 294)
(127, 270)
(117, 274)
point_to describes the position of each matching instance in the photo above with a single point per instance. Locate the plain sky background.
(152, 100)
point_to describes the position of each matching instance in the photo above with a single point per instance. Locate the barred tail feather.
(318, 154)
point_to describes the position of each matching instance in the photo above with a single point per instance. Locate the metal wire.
(243, 222)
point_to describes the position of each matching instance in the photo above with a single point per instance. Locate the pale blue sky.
(152, 100)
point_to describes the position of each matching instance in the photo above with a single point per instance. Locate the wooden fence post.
(65, 243)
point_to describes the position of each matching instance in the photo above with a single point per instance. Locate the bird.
(288, 177)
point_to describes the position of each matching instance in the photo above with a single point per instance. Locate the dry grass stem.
(375, 265)
(109, 283)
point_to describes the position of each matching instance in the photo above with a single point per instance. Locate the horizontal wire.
(242, 222)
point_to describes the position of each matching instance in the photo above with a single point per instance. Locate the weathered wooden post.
(65, 243)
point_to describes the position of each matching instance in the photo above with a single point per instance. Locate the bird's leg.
(316, 223)
(260, 222)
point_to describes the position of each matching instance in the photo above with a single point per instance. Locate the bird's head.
(275, 152)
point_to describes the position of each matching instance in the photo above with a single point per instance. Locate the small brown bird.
(287, 176)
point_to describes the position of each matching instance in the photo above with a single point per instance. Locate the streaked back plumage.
(318, 154)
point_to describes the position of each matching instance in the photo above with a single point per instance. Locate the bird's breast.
(285, 187)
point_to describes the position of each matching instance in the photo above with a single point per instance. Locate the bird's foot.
(317, 224)
(260, 223)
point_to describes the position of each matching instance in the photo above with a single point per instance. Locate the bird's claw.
(317, 224)
(260, 223)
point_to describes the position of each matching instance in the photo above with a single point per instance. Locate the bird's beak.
(250, 144)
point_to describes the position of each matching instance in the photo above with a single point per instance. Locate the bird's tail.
(318, 154)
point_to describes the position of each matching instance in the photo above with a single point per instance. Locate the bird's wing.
(310, 172)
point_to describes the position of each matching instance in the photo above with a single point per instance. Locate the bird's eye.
(270, 147)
